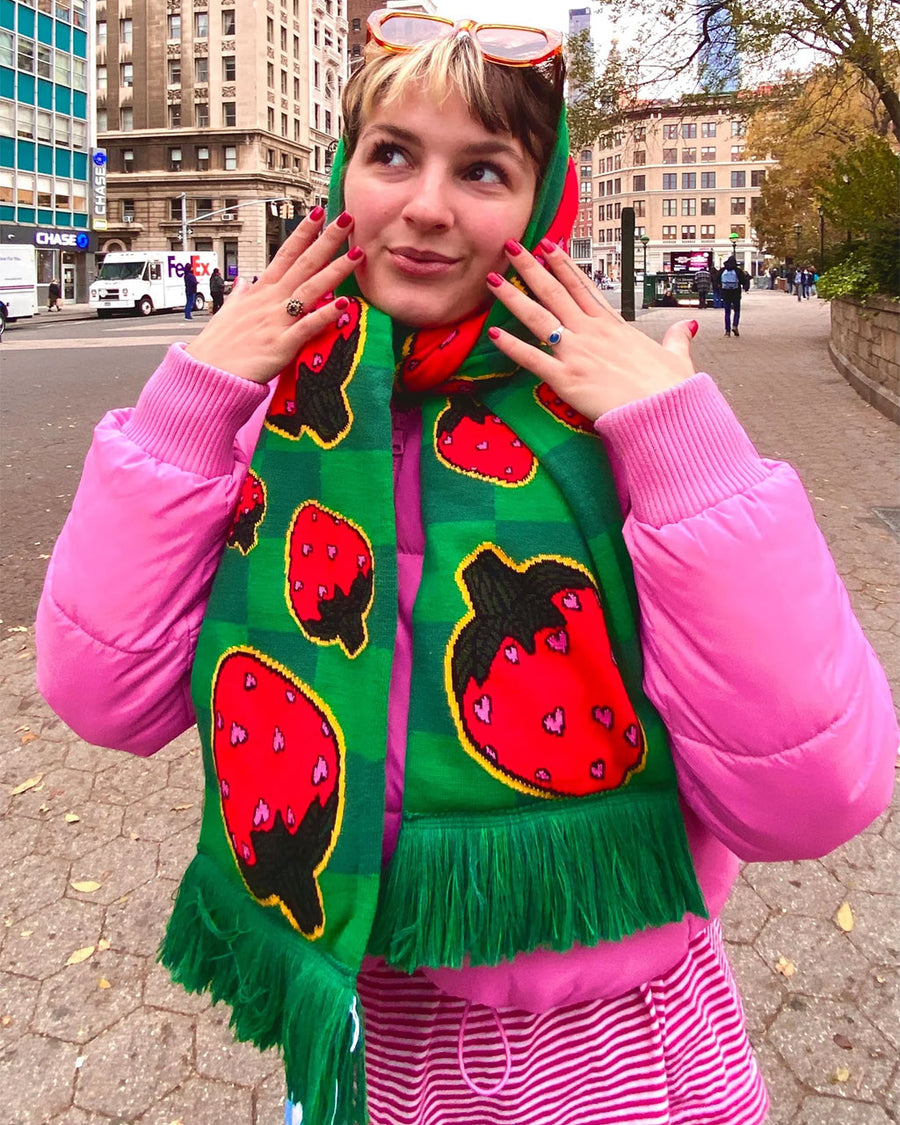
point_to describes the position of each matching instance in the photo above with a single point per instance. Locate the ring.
(294, 307)
(554, 337)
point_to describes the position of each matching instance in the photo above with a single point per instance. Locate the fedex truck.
(141, 281)
(18, 283)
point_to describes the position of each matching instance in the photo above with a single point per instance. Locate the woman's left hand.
(600, 361)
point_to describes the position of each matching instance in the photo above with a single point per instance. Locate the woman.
(457, 791)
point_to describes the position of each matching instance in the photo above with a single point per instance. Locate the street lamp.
(821, 239)
(797, 229)
(644, 240)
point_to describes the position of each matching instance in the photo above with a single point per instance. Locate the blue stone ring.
(554, 337)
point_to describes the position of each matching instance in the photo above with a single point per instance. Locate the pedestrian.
(806, 281)
(732, 282)
(216, 290)
(54, 295)
(466, 809)
(798, 283)
(703, 284)
(773, 273)
(190, 292)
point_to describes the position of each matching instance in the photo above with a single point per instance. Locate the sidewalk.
(93, 1033)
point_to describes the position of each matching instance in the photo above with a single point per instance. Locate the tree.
(597, 94)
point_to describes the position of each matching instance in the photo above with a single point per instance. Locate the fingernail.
(513, 248)
(494, 279)
(356, 253)
(693, 327)
(344, 220)
(341, 303)
(316, 214)
(547, 246)
(494, 333)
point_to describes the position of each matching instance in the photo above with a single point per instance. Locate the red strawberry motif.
(251, 508)
(561, 410)
(310, 396)
(329, 577)
(473, 441)
(279, 758)
(535, 696)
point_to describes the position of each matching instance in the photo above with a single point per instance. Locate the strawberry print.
(329, 581)
(535, 697)
(310, 396)
(561, 411)
(473, 441)
(279, 759)
(248, 515)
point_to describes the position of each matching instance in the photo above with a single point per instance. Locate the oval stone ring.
(294, 307)
(554, 337)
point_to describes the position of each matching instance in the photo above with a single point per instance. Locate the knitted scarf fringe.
(282, 992)
(479, 889)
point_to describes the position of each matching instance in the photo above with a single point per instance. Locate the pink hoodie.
(782, 727)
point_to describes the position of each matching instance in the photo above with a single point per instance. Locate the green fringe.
(282, 990)
(480, 889)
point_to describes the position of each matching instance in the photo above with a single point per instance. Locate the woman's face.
(434, 197)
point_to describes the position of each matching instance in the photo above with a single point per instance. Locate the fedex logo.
(197, 267)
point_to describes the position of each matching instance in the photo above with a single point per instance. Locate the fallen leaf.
(26, 785)
(181, 808)
(881, 979)
(72, 818)
(844, 917)
(103, 983)
(22, 728)
(26, 933)
(785, 967)
(80, 955)
(29, 737)
(841, 1074)
(842, 1041)
(86, 886)
(79, 1062)
(44, 807)
(103, 944)
(6, 1021)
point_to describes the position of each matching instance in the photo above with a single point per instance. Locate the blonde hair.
(522, 101)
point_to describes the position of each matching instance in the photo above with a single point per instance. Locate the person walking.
(190, 292)
(217, 290)
(703, 284)
(733, 281)
(54, 293)
(798, 283)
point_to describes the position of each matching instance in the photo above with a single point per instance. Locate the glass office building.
(45, 137)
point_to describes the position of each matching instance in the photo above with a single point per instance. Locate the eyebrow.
(476, 149)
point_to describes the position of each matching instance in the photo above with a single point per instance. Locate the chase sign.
(98, 188)
(62, 240)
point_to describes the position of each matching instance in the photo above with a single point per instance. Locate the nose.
(430, 204)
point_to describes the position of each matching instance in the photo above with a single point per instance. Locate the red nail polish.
(317, 214)
(494, 333)
(547, 246)
(494, 279)
(512, 247)
(693, 327)
(341, 303)
(356, 253)
(344, 220)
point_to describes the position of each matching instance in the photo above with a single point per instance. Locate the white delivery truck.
(18, 283)
(144, 280)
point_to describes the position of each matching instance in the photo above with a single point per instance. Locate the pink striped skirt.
(672, 1052)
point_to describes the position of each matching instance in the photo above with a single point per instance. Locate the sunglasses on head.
(504, 44)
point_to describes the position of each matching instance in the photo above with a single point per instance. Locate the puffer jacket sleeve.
(131, 571)
(783, 731)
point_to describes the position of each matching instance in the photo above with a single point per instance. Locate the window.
(689, 206)
(688, 156)
(317, 81)
(175, 116)
(328, 121)
(175, 72)
(757, 177)
(316, 116)
(270, 119)
(618, 184)
(25, 55)
(228, 21)
(201, 71)
(670, 156)
(708, 154)
(708, 206)
(617, 210)
(25, 122)
(356, 51)
(739, 179)
(202, 207)
(708, 232)
(284, 124)
(61, 66)
(739, 229)
(44, 60)
(670, 132)
(283, 39)
(618, 160)
(640, 208)
(102, 78)
(296, 89)
(329, 42)
(640, 157)
(45, 126)
(201, 25)
(173, 27)
(707, 179)
(639, 232)
(609, 210)
(708, 129)
(640, 133)
(101, 32)
(7, 111)
(737, 152)
(203, 159)
(127, 159)
(175, 207)
(230, 158)
(230, 205)
(270, 30)
(688, 234)
(689, 130)
(296, 128)
(739, 128)
(63, 129)
(670, 206)
(670, 234)
(270, 75)
(229, 68)
(201, 115)
(670, 181)
(126, 31)
(270, 157)
(586, 171)
(79, 134)
(315, 33)
(355, 24)
(284, 84)
(638, 183)
(688, 181)
(174, 159)
(229, 113)
(738, 205)
(296, 46)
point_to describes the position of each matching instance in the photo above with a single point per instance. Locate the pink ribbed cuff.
(682, 451)
(188, 414)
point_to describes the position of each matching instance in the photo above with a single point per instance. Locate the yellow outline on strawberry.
(279, 756)
(248, 514)
(535, 695)
(470, 439)
(568, 416)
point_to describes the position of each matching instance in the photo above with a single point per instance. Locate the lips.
(420, 263)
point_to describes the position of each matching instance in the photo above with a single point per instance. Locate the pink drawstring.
(493, 1090)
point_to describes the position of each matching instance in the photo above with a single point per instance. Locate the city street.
(92, 842)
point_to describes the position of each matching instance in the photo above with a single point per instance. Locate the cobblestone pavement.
(91, 1030)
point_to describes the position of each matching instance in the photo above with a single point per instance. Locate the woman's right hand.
(254, 336)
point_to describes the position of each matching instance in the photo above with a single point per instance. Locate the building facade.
(45, 141)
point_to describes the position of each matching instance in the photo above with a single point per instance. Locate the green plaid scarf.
(540, 803)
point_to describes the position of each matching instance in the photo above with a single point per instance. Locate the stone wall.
(865, 348)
